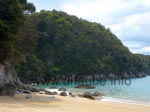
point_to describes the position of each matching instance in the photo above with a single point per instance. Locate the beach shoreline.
(111, 99)
(105, 98)
(64, 104)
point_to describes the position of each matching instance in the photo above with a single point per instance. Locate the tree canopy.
(67, 45)
(51, 44)
(11, 18)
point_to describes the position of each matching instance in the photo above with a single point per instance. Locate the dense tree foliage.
(51, 44)
(146, 62)
(68, 45)
(11, 18)
(30, 8)
(11, 21)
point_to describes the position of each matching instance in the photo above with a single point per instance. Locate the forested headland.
(47, 45)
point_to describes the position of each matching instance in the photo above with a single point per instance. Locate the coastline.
(110, 99)
(107, 99)
(64, 104)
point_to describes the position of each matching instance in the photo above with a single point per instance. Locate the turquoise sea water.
(134, 90)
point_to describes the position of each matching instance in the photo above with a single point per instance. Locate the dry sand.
(42, 103)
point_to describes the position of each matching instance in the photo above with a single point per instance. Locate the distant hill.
(66, 46)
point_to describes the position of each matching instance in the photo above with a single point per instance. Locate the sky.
(127, 19)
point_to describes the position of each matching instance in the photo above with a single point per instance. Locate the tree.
(11, 18)
(30, 8)
(23, 3)
(66, 45)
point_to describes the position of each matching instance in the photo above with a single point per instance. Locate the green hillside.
(65, 45)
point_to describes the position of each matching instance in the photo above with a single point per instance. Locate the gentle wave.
(137, 93)
(110, 99)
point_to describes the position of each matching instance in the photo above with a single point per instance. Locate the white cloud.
(138, 47)
(144, 50)
(134, 44)
(133, 27)
(94, 9)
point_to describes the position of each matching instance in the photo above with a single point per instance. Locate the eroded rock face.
(8, 89)
(3, 79)
(12, 76)
(8, 74)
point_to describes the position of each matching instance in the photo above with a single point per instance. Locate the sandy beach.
(44, 103)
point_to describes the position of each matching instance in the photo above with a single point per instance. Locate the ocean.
(136, 90)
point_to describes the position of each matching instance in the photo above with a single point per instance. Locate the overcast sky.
(129, 20)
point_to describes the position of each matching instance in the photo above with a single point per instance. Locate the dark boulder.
(72, 95)
(26, 91)
(86, 86)
(29, 97)
(63, 94)
(49, 93)
(8, 90)
(98, 94)
(34, 89)
(62, 89)
(88, 95)
(41, 92)
(80, 95)
(55, 93)
(18, 91)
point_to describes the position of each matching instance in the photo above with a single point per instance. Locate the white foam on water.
(56, 90)
(109, 99)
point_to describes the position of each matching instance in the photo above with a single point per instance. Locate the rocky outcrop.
(86, 86)
(3, 79)
(92, 96)
(63, 94)
(80, 95)
(29, 97)
(9, 81)
(33, 89)
(12, 76)
(50, 93)
(88, 95)
(26, 91)
(8, 89)
(98, 94)
(62, 89)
